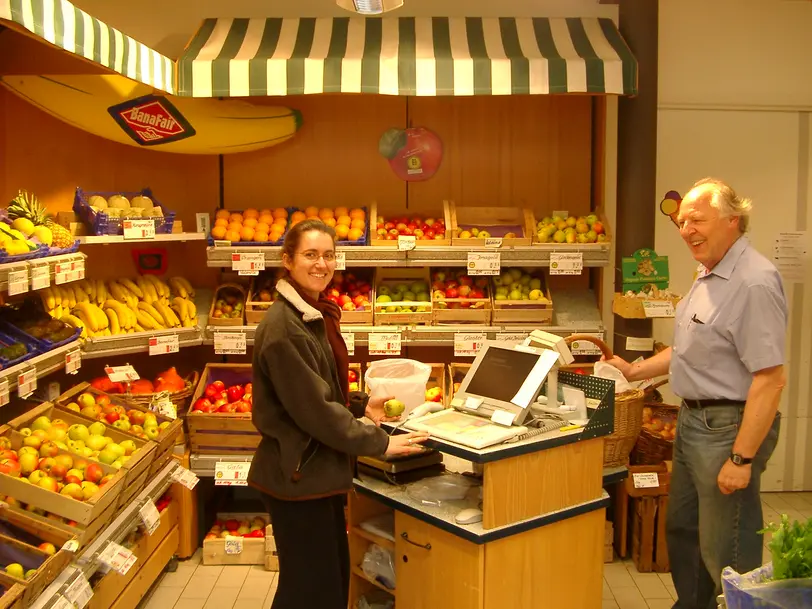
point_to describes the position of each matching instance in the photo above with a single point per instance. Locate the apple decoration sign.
(414, 154)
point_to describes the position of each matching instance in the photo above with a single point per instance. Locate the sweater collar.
(289, 293)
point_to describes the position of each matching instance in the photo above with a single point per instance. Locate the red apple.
(200, 404)
(235, 392)
(464, 290)
(389, 226)
(112, 417)
(452, 293)
(349, 306)
(220, 385)
(211, 391)
(8, 454)
(94, 473)
(243, 406)
(10, 467)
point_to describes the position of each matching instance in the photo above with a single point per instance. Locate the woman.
(309, 424)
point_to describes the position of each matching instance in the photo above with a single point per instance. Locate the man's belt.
(711, 403)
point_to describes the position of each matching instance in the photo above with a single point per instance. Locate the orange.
(266, 218)
(235, 226)
(355, 234)
(261, 227)
(312, 212)
(325, 213)
(283, 222)
(330, 221)
(232, 236)
(261, 237)
(340, 211)
(251, 213)
(221, 222)
(298, 216)
(280, 212)
(218, 232)
(222, 213)
(359, 224)
(250, 222)
(235, 218)
(345, 220)
(342, 230)
(274, 236)
(247, 234)
(358, 214)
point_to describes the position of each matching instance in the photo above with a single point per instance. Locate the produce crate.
(218, 294)
(271, 555)
(379, 241)
(648, 514)
(42, 344)
(357, 368)
(84, 534)
(222, 433)
(39, 252)
(32, 349)
(497, 221)
(550, 245)
(253, 549)
(509, 311)
(12, 594)
(342, 280)
(255, 308)
(459, 309)
(102, 223)
(456, 372)
(340, 241)
(387, 278)
(631, 307)
(275, 243)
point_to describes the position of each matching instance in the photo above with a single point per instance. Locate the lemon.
(44, 234)
(24, 225)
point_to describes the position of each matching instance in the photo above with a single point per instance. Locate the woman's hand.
(406, 443)
(375, 411)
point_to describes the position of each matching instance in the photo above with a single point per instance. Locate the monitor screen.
(501, 373)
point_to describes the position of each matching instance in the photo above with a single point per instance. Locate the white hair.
(723, 198)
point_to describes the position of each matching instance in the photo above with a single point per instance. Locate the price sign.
(65, 272)
(186, 477)
(71, 546)
(121, 374)
(583, 347)
(166, 408)
(4, 397)
(658, 308)
(349, 340)
(203, 222)
(512, 338)
(231, 473)
(561, 213)
(218, 243)
(468, 345)
(17, 282)
(341, 261)
(40, 276)
(150, 516)
(406, 242)
(646, 480)
(79, 269)
(493, 242)
(484, 263)
(634, 343)
(117, 558)
(566, 263)
(248, 264)
(230, 343)
(139, 229)
(27, 382)
(161, 345)
(79, 592)
(73, 361)
(384, 344)
(233, 544)
(62, 603)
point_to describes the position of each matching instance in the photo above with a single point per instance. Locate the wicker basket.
(628, 413)
(178, 398)
(651, 448)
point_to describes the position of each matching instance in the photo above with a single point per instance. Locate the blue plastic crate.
(102, 224)
(364, 240)
(43, 344)
(40, 252)
(29, 342)
(756, 590)
(254, 243)
(58, 251)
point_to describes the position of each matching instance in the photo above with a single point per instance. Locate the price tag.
(349, 340)
(79, 592)
(161, 345)
(633, 343)
(230, 343)
(27, 382)
(117, 558)
(513, 338)
(566, 263)
(384, 344)
(186, 477)
(484, 263)
(121, 374)
(502, 417)
(563, 214)
(658, 308)
(203, 222)
(73, 361)
(71, 546)
(248, 263)
(583, 347)
(165, 408)
(406, 242)
(4, 397)
(468, 345)
(218, 243)
(647, 480)
(233, 544)
(139, 229)
(79, 269)
(40, 276)
(17, 282)
(231, 473)
(65, 272)
(341, 261)
(150, 516)
(493, 242)
(62, 603)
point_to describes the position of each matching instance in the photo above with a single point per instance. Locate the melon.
(118, 202)
(98, 202)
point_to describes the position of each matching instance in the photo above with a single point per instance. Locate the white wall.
(735, 103)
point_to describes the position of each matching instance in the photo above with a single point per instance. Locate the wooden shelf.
(373, 538)
(357, 571)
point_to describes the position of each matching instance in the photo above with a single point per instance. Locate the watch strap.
(739, 460)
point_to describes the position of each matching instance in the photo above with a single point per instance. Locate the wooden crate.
(84, 534)
(255, 308)
(222, 433)
(442, 214)
(271, 555)
(498, 221)
(648, 514)
(356, 367)
(456, 372)
(13, 596)
(631, 307)
(460, 310)
(524, 311)
(253, 549)
(230, 322)
(602, 245)
(357, 318)
(388, 277)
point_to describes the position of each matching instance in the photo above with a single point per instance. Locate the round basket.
(652, 448)
(178, 398)
(628, 412)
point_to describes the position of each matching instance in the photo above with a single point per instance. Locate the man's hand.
(733, 477)
(619, 363)
(375, 412)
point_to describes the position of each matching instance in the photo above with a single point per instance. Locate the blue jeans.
(707, 530)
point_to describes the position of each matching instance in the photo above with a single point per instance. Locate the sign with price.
(121, 374)
(233, 544)
(658, 308)
(79, 592)
(493, 242)
(161, 345)
(73, 361)
(40, 276)
(231, 473)
(566, 263)
(248, 263)
(4, 398)
(341, 261)
(27, 382)
(407, 242)
(468, 345)
(230, 343)
(511, 338)
(583, 347)
(117, 558)
(17, 282)
(186, 477)
(139, 229)
(384, 344)
(349, 340)
(65, 272)
(646, 480)
(150, 516)
(484, 263)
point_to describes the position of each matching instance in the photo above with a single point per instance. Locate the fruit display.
(517, 284)
(422, 228)
(353, 375)
(581, 229)
(261, 295)
(350, 224)
(30, 220)
(27, 320)
(169, 381)
(352, 291)
(119, 206)
(473, 225)
(219, 398)
(403, 297)
(228, 306)
(261, 227)
(662, 426)
(253, 528)
(434, 394)
(454, 289)
(142, 424)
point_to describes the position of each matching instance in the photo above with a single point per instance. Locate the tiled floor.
(195, 586)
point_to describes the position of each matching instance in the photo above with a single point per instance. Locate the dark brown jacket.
(309, 437)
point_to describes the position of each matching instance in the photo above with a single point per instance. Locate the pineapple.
(62, 236)
(25, 205)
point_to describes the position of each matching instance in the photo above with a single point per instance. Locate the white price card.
(384, 344)
(73, 361)
(493, 242)
(561, 213)
(203, 223)
(71, 546)
(484, 263)
(230, 343)
(79, 269)
(4, 397)
(467, 345)
(161, 345)
(248, 263)
(65, 272)
(231, 473)
(233, 544)
(341, 261)
(117, 558)
(658, 308)
(634, 343)
(218, 243)
(584, 347)
(79, 592)
(139, 229)
(27, 382)
(62, 603)
(646, 480)
(566, 263)
(121, 374)
(17, 282)
(512, 338)
(349, 340)
(150, 516)
(185, 477)
(406, 242)
(165, 408)
(40, 276)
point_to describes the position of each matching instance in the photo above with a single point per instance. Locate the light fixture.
(370, 7)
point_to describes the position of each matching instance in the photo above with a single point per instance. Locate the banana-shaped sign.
(125, 111)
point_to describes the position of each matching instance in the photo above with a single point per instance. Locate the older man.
(727, 366)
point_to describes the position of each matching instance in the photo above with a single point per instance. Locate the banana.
(80, 295)
(87, 315)
(177, 287)
(132, 287)
(57, 295)
(152, 312)
(168, 314)
(145, 286)
(75, 322)
(101, 292)
(90, 288)
(122, 311)
(160, 286)
(192, 308)
(112, 320)
(85, 286)
(68, 297)
(138, 328)
(117, 291)
(100, 315)
(181, 307)
(187, 286)
(59, 311)
(145, 320)
(48, 300)
(187, 322)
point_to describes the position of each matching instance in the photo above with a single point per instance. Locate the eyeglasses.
(314, 256)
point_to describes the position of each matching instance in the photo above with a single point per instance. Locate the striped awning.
(429, 56)
(70, 28)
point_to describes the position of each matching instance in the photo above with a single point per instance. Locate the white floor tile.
(660, 603)
(251, 603)
(271, 593)
(796, 501)
(255, 589)
(609, 604)
(650, 586)
(672, 591)
(178, 579)
(629, 598)
(232, 577)
(222, 598)
(190, 603)
(607, 592)
(617, 576)
(209, 570)
(199, 587)
(163, 598)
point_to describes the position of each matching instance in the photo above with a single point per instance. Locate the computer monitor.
(504, 380)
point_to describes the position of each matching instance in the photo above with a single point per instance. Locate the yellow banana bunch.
(75, 322)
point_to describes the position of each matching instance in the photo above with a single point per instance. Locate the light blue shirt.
(731, 324)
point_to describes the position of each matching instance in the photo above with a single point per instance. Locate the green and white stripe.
(428, 56)
(70, 28)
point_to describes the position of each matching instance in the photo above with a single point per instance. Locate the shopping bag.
(757, 590)
(405, 379)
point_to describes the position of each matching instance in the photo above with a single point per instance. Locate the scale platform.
(397, 465)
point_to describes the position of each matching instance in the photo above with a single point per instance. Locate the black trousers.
(314, 554)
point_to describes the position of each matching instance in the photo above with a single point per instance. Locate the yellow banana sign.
(128, 112)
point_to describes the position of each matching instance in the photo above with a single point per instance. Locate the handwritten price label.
(484, 263)
(233, 544)
(468, 345)
(150, 516)
(493, 242)
(407, 242)
(384, 344)
(161, 345)
(341, 261)
(658, 308)
(646, 480)
(139, 229)
(73, 361)
(40, 277)
(231, 474)
(248, 263)
(512, 338)
(17, 282)
(349, 340)
(186, 477)
(121, 374)
(230, 343)
(566, 263)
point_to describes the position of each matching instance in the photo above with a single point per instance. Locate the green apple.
(152, 432)
(73, 490)
(97, 429)
(15, 569)
(30, 573)
(96, 442)
(116, 449)
(122, 424)
(79, 432)
(107, 457)
(128, 446)
(42, 423)
(89, 489)
(26, 431)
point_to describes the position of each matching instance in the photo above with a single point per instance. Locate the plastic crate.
(364, 240)
(29, 342)
(41, 251)
(59, 251)
(102, 224)
(42, 344)
(290, 210)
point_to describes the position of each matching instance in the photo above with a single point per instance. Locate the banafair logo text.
(151, 120)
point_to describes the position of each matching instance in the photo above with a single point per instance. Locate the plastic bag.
(377, 599)
(606, 371)
(756, 590)
(378, 565)
(440, 489)
(405, 379)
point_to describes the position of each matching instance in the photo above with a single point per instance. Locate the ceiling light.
(370, 7)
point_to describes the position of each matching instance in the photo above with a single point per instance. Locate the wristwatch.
(739, 460)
